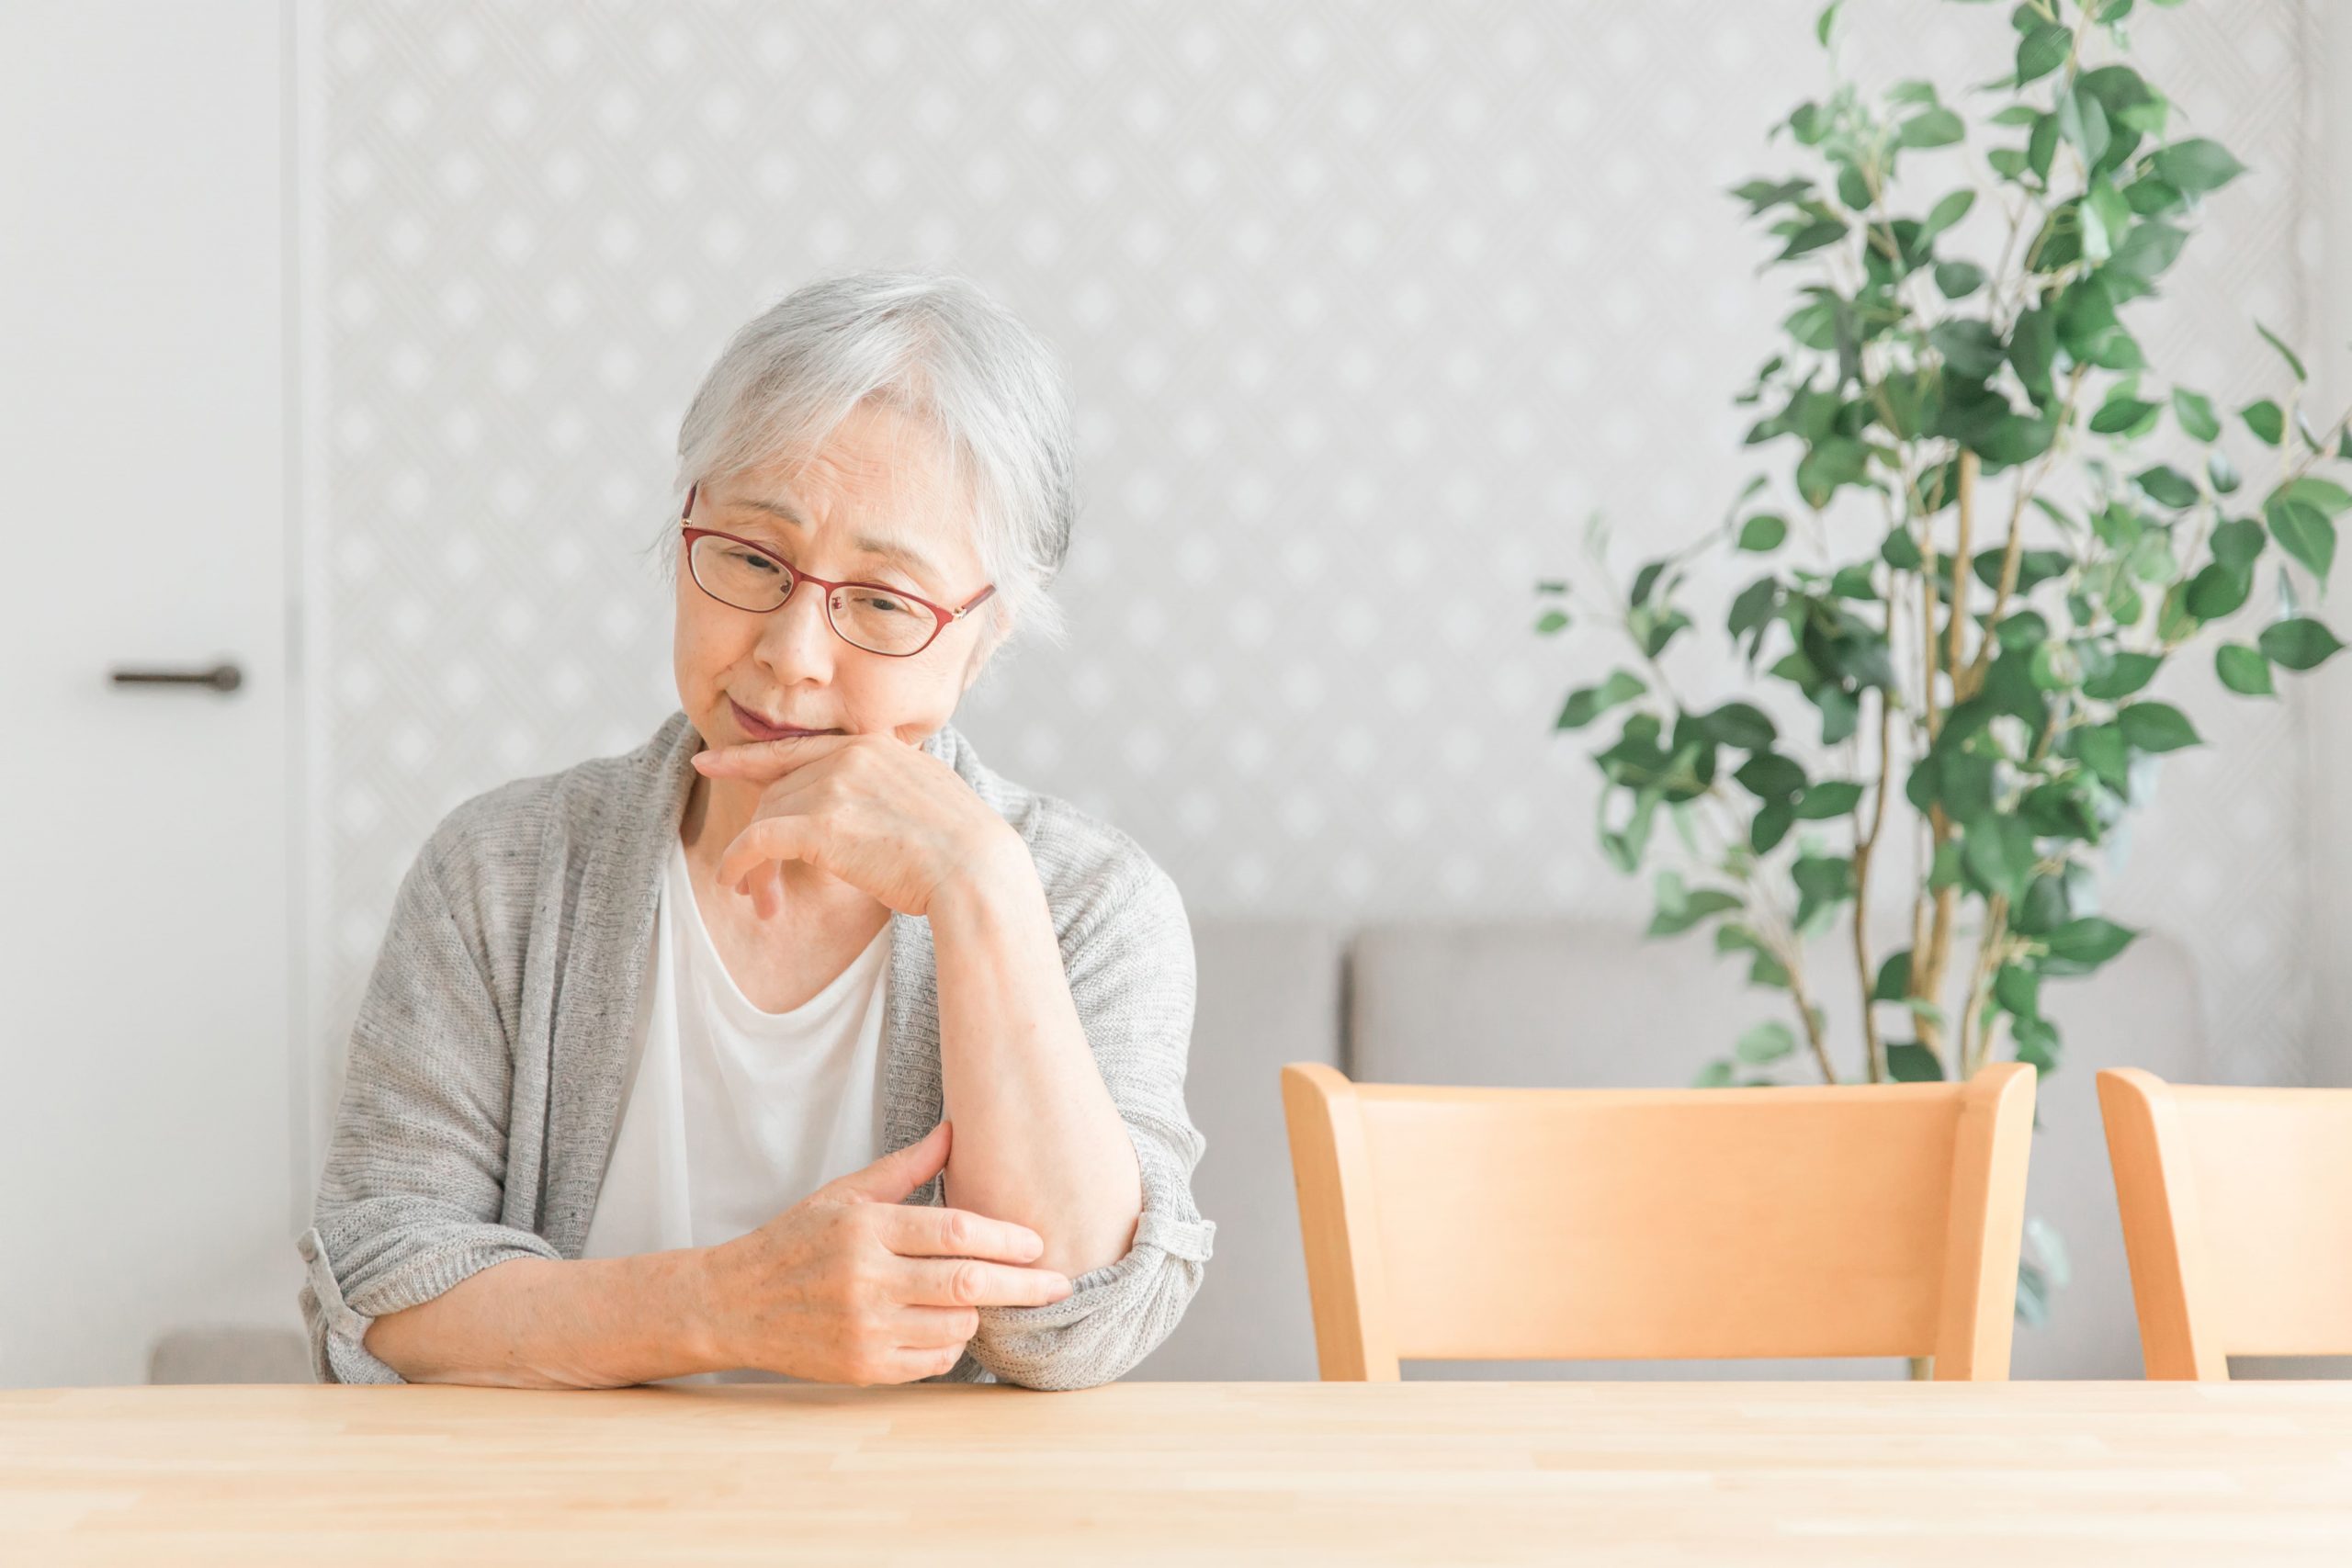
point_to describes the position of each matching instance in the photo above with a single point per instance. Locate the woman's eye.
(755, 561)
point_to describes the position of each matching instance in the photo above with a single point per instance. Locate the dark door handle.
(222, 677)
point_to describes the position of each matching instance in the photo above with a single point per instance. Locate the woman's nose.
(797, 641)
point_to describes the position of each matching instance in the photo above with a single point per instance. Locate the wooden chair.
(1486, 1224)
(2237, 1219)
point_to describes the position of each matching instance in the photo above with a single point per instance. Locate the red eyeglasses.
(745, 574)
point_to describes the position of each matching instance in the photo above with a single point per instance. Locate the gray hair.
(935, 347)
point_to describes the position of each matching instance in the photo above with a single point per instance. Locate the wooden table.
(940, 1475)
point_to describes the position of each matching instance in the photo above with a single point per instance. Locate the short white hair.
(935, 347)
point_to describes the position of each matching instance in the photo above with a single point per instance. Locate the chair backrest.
(1448, 1223)
(2237, 1219)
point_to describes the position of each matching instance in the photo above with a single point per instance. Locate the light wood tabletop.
(1141, 1472)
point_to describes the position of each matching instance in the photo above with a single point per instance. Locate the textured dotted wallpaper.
(1368, 305)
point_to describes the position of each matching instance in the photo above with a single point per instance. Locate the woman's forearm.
(538, 1323)
(1038, 1139)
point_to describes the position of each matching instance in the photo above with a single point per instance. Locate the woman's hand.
(884, 815)
(852, 1285)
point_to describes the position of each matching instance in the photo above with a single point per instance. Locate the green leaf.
(1754, 607)
(1678, 909)
(1714, 1075)
(2285, 353)
(1910, 1062)
(2019, 990)
(2169, 486)
(1813, 237)
(2120, 414)
(2156, 728)
(1646, 579)
(1761, 194)
(1763, 532)
(2237, 544)
(1590, 703)
(1958, 279)
(2243, 669)
(1769, 777)
(2298, 643)
(1830, 797)
(2266, 421)
(2328, 497)
(1970, 348)
(2102, 750)
(2304, 533)
(1766, 1042)
(2147, 249)
(1551, 621)
(1823, 883)
(1828, 465)
(1740, 725)
(2042, 50)
(2218, 590)
(1946, 213)
(2196, 166)
(2194, 412)
(2082, 119)
(2128, 673)
(1936, 127)
(1998, 852)
(1894, 977)
(2083, 944)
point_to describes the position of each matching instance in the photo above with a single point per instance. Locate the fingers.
(765, 885)
(967, 1282)
(936, 1328)
(767, 839)
(897, 1174)
(912, 1365)
(766, 759)
(959, 1233)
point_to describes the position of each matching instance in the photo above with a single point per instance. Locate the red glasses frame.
(943, 616)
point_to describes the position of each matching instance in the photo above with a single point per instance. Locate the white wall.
(1367, 308)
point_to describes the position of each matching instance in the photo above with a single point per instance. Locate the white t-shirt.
(731, 1114)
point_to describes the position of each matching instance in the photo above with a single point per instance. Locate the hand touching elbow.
(852, 1285)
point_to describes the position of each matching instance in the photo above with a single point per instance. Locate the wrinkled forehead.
(882, 485)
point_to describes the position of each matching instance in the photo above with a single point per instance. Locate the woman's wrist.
(706, 1332)
(997, 878)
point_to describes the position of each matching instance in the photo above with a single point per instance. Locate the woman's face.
(874, 505)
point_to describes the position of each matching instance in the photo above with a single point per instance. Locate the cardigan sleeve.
(1131, 974)
(413, 1185)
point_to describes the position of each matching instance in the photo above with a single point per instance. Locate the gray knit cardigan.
(488, 1060)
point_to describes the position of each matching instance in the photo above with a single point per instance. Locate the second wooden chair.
(2237, 1219)
(1498, 1224)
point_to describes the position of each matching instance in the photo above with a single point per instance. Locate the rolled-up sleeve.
(413, 1185)
(1131, 974)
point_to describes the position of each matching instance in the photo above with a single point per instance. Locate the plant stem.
(1972, 1050)
(1865, 846)
(1927, 968)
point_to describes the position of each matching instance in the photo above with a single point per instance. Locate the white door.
(147, 1097)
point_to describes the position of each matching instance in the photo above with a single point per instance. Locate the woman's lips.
(759, 728)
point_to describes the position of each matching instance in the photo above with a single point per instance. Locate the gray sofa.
(1535, 1002)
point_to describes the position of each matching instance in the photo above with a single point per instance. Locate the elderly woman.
(797, 1042)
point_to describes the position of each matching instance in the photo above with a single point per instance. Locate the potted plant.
(2000, 528)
